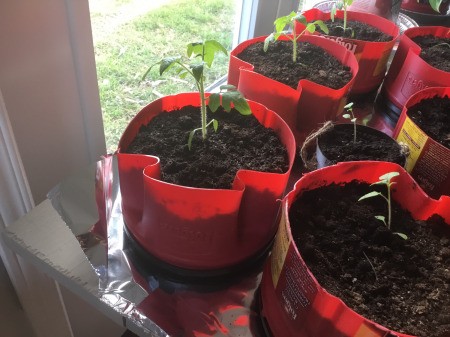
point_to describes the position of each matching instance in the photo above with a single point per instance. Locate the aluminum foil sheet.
(90, 205)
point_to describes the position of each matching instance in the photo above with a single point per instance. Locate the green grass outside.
(124, 56)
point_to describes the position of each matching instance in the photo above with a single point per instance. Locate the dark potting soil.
(401, 284)
(360, 31)
(337, 146)
(313, 63)
(240, 142)
(432, 115)
(435, 51)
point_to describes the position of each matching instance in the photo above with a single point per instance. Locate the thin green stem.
(203, 100)
(389, 204)
(371, 265)
(294, 52)
(203, 108)
(201, 89)
(345, 19)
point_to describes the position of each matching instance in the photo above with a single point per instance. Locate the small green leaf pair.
(435, 4)
(385, 179)
(289, 21)
(351, 116)
(343, 4)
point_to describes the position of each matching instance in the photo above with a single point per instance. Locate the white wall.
(49, 86)
(41, 79)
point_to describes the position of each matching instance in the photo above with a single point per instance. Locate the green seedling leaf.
(348, 106)
(353, 120)
(403, 236)
(214, 102)
(435, 4)
(347, 116)
(195, 48)
(226, 101)
(370, 195)
(311, 28)
(205, 50)
(323, 27)
(301, 19)
(268, 40)
(168, 63)
(211, 49)
(242, 106)
(215, 125)
(380, 217)
(388, 176)
(227, 87)
(191, 136)
(197, 71)
(284, 21)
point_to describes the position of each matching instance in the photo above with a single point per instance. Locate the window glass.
(131, 35)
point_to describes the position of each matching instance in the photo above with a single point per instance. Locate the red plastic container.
(303, 108)
(293, 302)
(428, 161)
(408, 72)
(195, 228)
(372, 56)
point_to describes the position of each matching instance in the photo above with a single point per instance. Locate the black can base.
(424, 19)
(149, 265)
(386, 107)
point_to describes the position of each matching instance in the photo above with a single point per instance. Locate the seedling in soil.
(289, 21)
(343, 4)
(351, 116)
(441, 44)
(435, 4)
(199, 55)
(372, 266)
(385, 179)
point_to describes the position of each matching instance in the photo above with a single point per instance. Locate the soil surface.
(337, 145)
(240, 142)
(313, 63)
(432, 115)
(358, 31)
(400, 284)
(435, 51)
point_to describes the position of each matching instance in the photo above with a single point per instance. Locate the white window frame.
(32, 287)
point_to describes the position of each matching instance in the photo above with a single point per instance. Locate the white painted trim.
(82, 47)
(18, 199)
(32, 287)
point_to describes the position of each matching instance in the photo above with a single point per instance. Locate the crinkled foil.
(90, 205)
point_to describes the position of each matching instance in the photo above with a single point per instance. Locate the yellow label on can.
(279, 250)
(411, 135)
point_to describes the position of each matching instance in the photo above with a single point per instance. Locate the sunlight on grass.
(124, 54)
